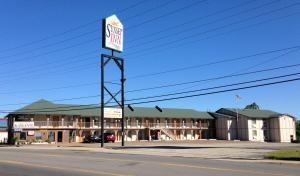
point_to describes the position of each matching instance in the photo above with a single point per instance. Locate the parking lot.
(211, 149)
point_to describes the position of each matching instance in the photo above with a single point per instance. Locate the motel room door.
(59, 136)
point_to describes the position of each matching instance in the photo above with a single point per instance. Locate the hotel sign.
(21, 125)
(112, 33)
(113, 113)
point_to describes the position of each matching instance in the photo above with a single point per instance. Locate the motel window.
(51, 136)
(38, 135)
(265, 124)
(254, 133)
(96, 122)
(139, 122)
(253, 123)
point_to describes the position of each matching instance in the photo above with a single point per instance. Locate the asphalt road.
(48, 162)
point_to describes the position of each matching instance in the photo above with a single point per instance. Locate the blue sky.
(159, 36)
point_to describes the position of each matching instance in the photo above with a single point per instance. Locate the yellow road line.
(88, 171)
(165, 164)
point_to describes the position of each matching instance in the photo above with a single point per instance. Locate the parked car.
(91, 139)
(108, 137)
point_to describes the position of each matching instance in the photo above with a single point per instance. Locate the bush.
(15, 140)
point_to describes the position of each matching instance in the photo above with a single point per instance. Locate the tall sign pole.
(122, 101)
(112, 39)
(102, 102)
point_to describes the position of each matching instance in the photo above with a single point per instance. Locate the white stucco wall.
(287, 128)
(231, 124)
(3, 135)
(258, 127)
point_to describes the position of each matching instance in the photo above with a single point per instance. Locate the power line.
(24, 74)
(214, 29)
(166, 14)
(44, 68)
(51, 44)
(170, 71)
(162, 47)
(149, 10)
(214, 62)
(204, 24)
(71, 29)
(170, 85)
(38, 55)
(77, 36)
(165, 99)
(72, 37)
(215, 87)
(50, 89)
(52, 51)
(164, 72)
(216, 92)
(61, 61)
(191, 21)
(272, 59)
(131, 6)
(69, 70)
(214, 78)
(88, 41)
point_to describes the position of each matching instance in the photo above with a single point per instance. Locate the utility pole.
(237, 97)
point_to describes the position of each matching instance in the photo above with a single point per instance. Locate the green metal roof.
(216, 115)
(49, 108)
(253, 113)
(167, 113)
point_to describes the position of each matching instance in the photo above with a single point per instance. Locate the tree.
(252, 106)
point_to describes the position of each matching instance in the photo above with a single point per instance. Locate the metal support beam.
(120, 63)
(122, 99)
(102, 100)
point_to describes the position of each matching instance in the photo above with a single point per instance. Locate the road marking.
(61, 168)
(165, 164)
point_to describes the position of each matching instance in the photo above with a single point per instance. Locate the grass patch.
(291, 154)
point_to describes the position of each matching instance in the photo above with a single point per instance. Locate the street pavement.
(73, 161)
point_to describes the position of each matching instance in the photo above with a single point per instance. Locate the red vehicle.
(108, 137)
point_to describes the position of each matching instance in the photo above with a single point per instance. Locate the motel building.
(254, 125)
(61, 123)
(3, 130)
(46, 121)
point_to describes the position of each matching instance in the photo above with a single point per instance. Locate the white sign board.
(113, 113)
(18, 129)
(23, 125)
(30, 133)
(112, 33)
